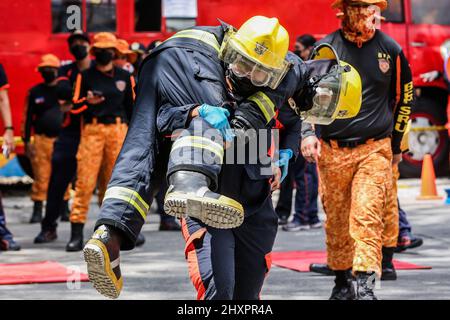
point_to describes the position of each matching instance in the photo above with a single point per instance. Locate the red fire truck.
(29, 29)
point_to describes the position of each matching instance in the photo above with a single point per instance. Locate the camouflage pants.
(390, 218)
(41, 164)
(354, 185)
(98, 150)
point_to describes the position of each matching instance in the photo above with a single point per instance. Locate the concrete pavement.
(158, 269)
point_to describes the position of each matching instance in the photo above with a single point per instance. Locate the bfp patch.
(384, 65)
(121, 85)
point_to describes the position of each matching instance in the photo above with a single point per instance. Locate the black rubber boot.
(388, 270)
(365, 284)
(76, 238)
(321, 268)
(37, 212)
(46, 236)
(343, 289)
(189, 194)
(65, 212)
(102, 255)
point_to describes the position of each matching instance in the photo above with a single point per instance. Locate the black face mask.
(243, 87)
(48, 75)
(298, 52)
(103, 57)
(79, 51)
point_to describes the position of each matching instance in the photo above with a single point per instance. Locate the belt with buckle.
(352, 143)
(105, 120)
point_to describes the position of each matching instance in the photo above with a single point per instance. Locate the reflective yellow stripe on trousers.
(200, 35)
(265, 104)
(201, 143)
(129, 196)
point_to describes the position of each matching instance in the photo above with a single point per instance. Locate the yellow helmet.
(338, 90)
(258, 51)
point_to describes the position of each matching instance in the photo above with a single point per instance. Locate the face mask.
(298, 52)
(103, 57)
(243, 87)
(48, 75)
(358, 24)
(79, 51)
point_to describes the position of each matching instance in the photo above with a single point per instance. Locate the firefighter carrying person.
(42, 115)
(196, 80)
(355, 156)
(103, 95)
(64, 162)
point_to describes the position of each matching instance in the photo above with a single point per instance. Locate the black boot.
(343, 289)
(65, 212)
(321, 268)
(101, 254)
(189, 194)
(46, 236)
(365, 284)
(388, 271)
(37, 212)
(76, 238)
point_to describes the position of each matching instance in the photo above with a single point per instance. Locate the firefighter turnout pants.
(98, 150)
(354, 186)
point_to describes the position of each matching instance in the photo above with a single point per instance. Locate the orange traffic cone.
(428, 190)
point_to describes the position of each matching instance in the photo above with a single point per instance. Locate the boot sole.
(213, 212)
(99, 269)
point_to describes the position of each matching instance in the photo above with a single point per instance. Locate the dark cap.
(137, 47)
(78, 34)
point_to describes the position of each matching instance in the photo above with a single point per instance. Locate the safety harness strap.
(130, 196)
(265, 105)
(200, 35)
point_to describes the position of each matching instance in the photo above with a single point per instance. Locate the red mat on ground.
(300, 260)
(38, 272)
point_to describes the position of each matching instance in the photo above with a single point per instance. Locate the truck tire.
(428, 112)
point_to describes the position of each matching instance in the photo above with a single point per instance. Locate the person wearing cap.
(355, 156)
(64, 162)
(42, 115)
(125, 58)
(6, 238)
(140, 51)
(104, 97)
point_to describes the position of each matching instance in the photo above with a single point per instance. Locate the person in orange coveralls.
(355, 156)
(43, 115)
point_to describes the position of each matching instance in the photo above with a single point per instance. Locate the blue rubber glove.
(283, 162)
(217, 117)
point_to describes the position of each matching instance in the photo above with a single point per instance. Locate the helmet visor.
(244, 66)
(326, 98)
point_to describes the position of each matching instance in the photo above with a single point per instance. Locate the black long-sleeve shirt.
(387, 90)
(42, 112)
(116, 87)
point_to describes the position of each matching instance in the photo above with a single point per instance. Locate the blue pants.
(305, 176)
(5, 234)
(64, 168)
(404, 226)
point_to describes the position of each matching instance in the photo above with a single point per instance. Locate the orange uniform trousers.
(99, 147)
(41, 163)
(390, 218)
(354, 185)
